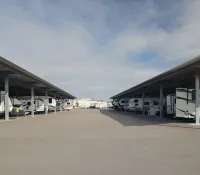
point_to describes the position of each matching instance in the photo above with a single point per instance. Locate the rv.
(135, 104)
(51, 104)
(115, 104)
(2, 103)
(154, 104)
(171, 105)
(68, 105)
(185, 103)
(123, 103)
(100, 105)
(38, 105)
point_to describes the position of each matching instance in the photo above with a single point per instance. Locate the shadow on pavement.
(132, 119)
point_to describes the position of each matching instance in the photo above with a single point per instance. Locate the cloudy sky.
(97, 48)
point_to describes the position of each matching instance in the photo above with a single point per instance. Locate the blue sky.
(96, 48)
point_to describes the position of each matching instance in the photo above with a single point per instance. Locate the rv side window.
(146, 103)
(136, 104)
(50, 100)
(29, 103)
(135, 101)
(155, 103)
(174, 100)
(34, 102)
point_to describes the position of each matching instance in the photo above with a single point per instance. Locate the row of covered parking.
(175, 92)
(17, 83)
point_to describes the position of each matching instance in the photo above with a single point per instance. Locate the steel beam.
(143, 99)
(6, 98)
(46, 102)
(197, 103)
(55, 106)
(161, 101)
(32, 101)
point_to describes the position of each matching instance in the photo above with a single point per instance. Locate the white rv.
(154, 104)
(100, 105)
(123, 103)
(38, 105)
(171, 104)
(115, 104)
(135, 104)
(185, 103)
(51, 104)
(68, 105)
(2, 103)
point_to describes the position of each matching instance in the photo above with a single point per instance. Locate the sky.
(98, 48)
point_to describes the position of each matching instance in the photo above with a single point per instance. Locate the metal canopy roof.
(182, 75)
(20, 82)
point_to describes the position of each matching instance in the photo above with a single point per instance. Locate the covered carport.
(186, 75)
(16, 82)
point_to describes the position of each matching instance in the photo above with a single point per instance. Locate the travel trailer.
(185, 103)
(123, 103)
(2, 103)
(84, 103)
(171, 104)
(115, 104)
(68, 105)
(100, 105)
(135, 104)
(109, 105)
(51, 104)
(150, 105)
(38, 105)
(154, 104)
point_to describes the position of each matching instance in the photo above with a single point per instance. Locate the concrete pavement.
(93, 142)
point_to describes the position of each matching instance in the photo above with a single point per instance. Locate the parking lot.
(93, 142)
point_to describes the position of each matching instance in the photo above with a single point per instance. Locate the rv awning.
(180, 76)
(20, 82)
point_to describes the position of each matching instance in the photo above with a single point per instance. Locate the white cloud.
(85, 47)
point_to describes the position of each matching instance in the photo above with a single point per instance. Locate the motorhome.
(185, 103)
(2, 103)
